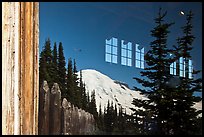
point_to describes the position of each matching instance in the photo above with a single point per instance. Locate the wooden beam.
(20, 84)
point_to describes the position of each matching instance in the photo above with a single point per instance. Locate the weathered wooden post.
(66, 120)
(20, 38)
(44, 106)
(55, 110)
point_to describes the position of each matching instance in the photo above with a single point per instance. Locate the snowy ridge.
(107, 89)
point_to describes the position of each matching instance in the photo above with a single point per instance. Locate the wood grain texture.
(20, 40)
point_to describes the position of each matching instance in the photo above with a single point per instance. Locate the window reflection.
(182, 67)
(111, 50)
(139, 57)
(126, 53)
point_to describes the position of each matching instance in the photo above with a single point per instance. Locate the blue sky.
(82, 27)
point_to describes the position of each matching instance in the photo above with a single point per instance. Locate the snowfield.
(107, 89)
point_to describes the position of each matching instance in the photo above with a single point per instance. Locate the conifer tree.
(100, 122)
(108, 118)
(70, 84)
(82, 92)
(76, 88)
(45, 63)
(61, 70)
(185, 116)
(157, 74)
(93, 109)
(84, 98)
(54, 66)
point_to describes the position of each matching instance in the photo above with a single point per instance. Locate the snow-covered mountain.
(115, 91)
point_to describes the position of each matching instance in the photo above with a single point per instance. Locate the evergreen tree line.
(114, 120)
(169, 107)
(52, 69)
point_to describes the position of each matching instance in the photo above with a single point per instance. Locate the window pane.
(114, 50)
(129, 54)
(115, 41)
(190, 75)
(174, 71)
(181, 60)
(129, 62)
(114, 59)
(108, 41)
(136, 47)
(137, 55)
(108, 57)
(123, 61)
(142, 50)
(108, 49)
(142, 64)
(124, 46)
(137, 63)
(190, 62)
(184, 69)
(181, 66)
(142, 57)
(181, 73)
(190, 69)
(124, 54)
(172, 65)
(184, 63)
(171, 70)
(175, 64)
(130, 46)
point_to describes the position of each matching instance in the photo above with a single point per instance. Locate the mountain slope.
(107, 89)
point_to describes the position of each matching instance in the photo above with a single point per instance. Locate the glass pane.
(129, 54)
(190, 69)
(142, 64)
(175, 64)
(181, 60)
(130, 46)
(115, 51)
(184, 63)
(115, 41)
(129, 62)
(142, 57)
(174, 71)
(108, 49)
(108, 58)
(123, 61)
(108, 41)
(137, 63)
(142, 50)
(123, 45)
(181, 66)
(190, 75)
(136, 47)
(114, 59)
(181, 73)
(190, 62)
(172, 65)
(137, 55)
(184, 69)
(171, 71)
(184, 73)
(124, 53)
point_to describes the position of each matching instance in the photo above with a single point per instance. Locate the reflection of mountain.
(112, 90)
